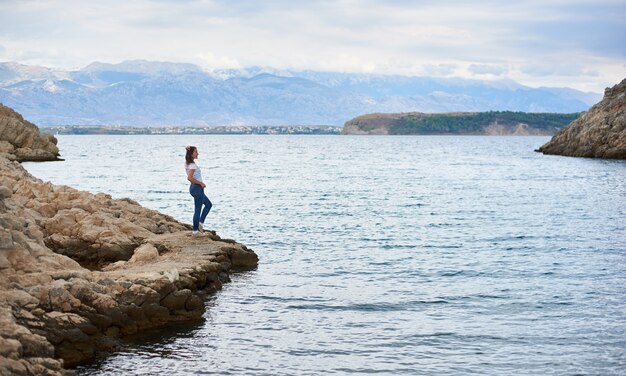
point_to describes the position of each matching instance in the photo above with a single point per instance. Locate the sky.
(579, 44)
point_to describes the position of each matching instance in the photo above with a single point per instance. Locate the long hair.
(189, 154)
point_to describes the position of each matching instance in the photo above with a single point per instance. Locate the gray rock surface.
(79, 271)
(598, 133)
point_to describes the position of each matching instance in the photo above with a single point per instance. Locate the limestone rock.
(144, 252)
(23, 139)
(78, 271)
(598, 133)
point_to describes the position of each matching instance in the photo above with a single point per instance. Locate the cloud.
(439, 69)
(482, 69)
(554, 66)
(212, 62)
(484, 37)
(595, 28)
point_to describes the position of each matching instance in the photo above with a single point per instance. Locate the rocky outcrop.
(598, 133)
(79, 271)
(21, 140)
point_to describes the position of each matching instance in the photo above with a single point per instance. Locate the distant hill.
(464, 123)
(144, 93)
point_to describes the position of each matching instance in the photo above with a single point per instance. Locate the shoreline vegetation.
(491, 123)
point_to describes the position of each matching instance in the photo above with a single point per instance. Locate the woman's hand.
(203, 185)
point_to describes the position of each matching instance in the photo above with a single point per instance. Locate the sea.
(390, 255)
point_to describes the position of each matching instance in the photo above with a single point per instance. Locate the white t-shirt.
(197, 174)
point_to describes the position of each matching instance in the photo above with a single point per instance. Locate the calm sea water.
(391, 255)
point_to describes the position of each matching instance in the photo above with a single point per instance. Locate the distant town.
(236, 129)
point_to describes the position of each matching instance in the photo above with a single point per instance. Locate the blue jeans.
(199, 199)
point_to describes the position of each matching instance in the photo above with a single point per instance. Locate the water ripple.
(384, 255)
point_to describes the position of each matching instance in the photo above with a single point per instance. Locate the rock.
(176, 300)
(6, 242)
(144, 252)
(10, 348)
(5, 192)
(6, 147)
(241, 257)
(598, 133)
(23, 139)
(78, 271)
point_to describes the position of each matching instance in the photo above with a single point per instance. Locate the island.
(459, 123)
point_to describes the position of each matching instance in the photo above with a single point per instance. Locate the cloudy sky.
(570, 43)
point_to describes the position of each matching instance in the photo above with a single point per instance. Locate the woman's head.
(191, 154)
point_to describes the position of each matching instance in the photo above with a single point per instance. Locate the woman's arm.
(191, 179)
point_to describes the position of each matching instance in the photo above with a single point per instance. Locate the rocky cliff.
(598, 133)
(79, 271)
(20, 140)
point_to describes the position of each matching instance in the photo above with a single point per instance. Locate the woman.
(196, 189)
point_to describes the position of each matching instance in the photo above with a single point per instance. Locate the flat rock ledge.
(597, 133)
(79, 271)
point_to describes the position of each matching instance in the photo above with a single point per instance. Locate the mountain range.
(145, 93)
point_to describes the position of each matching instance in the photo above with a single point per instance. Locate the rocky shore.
(597, 133)
(78, 271)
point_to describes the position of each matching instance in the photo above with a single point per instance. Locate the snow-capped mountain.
(143, 93)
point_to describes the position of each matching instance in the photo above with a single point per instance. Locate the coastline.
(219, 130)
(79, 271)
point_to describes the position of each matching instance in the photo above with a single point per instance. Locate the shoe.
(194, 233)
(200, 229)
